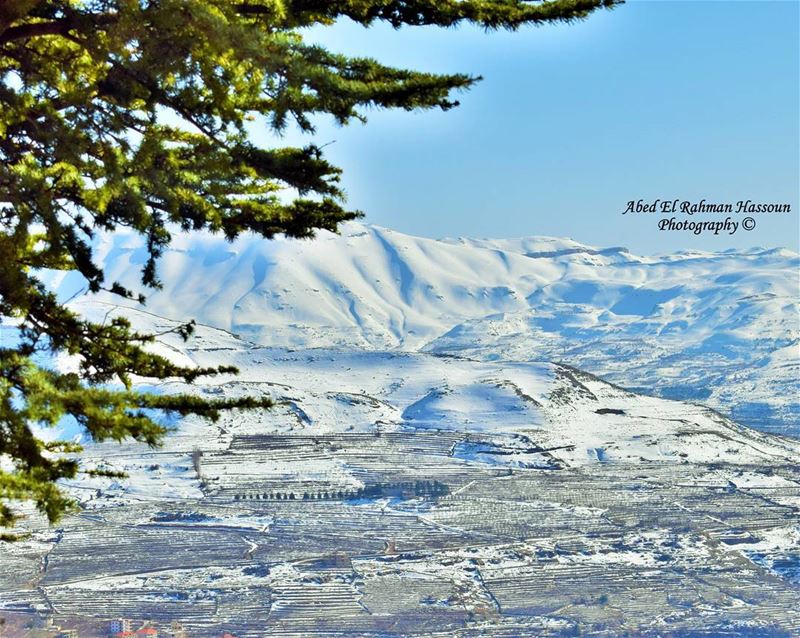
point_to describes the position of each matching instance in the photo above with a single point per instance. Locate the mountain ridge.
(718, 327)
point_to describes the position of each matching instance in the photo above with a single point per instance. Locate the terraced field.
(602, 550)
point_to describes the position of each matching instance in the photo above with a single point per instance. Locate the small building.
(119, 625)
(67, 633)
(147, 632)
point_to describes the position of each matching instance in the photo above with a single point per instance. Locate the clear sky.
(655, 99)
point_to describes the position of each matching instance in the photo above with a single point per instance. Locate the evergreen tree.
(133, 113)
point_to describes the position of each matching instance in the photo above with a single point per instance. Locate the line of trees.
(406, 489)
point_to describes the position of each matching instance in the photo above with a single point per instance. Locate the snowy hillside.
(722, 328)
(534, 415)
(576, 416)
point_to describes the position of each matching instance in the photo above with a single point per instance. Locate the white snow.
(722, 328)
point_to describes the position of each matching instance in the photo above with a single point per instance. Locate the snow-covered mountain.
(721, 328)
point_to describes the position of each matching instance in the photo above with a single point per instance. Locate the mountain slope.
(501, 414)
(723, 328)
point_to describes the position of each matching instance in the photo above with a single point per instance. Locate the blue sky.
(656, 99)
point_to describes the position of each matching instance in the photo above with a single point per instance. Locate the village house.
(120, 625)
(123, 628)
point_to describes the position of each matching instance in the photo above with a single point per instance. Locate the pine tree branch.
(34, 29)
(491, 14)
(60, 27)
(13, 10)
